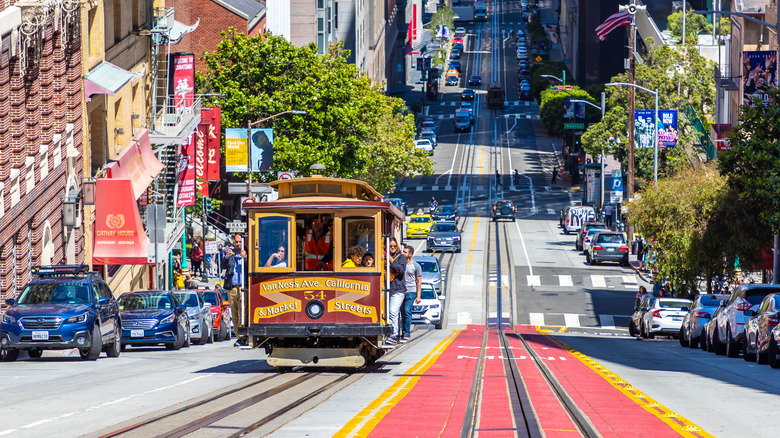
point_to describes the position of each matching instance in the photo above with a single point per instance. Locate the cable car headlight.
(315, 309)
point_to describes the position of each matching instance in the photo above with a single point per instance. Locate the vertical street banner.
(667, 128)
(186, 169)
(759, 73)
(207, 138)
(643, 128)
(262, 149)
(236, 150)
(181, 81)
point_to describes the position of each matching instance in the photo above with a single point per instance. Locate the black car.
(454, 64)
(455, 53)
(445, 213)
(504, 210)
(63, 307)
(468, 94)
(400, 204)
(475, 80)
(525, 92)
(443, 235)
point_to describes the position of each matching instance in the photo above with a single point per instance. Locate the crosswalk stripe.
(607, 321)
(598, 281)
(534, 280)
(629, 279)
(537, 319)
(571, 319)
(565, 280)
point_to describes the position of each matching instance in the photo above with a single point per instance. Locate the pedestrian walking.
(218, 260)
(196, 258)
(554, 175)
(413, 287)
(209, 265)
(608, 215)
(233, 283)
(498, 180)
(640, 252)
(397, 290)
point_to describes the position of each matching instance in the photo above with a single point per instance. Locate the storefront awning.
(137, 163)
(119, 237)
(107, 78)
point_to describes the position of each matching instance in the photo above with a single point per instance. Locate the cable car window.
(359, 239)
(272, 242)
(304, 189)
(331, 189)
(315, 241)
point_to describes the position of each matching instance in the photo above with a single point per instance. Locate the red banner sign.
(186, 169)
(182, 81)
(119, 237)
(207, 140)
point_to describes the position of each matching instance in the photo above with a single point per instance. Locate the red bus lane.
(611, 404)
(495, 408)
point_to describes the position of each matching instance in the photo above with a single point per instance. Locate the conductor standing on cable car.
(317, 248)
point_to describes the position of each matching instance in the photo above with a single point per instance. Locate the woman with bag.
(197, 258)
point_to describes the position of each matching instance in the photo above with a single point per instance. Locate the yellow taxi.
(418, 225)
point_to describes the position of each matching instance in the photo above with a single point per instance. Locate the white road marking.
(598, 281)
(537, 319)
(466, 280)
(607, 321)
(525, 251)
(571, 319)
(565, 280)
(629, 279)
(464, 318)
(534, 280)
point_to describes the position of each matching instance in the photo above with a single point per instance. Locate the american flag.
(614, 20)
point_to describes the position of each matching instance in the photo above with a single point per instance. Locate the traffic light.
(208, 207)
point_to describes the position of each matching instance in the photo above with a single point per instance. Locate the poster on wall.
(181, 82)
(759, 69)
(186, 170)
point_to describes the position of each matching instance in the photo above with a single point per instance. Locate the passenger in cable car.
(354, 257)
(368, 260)
(277, 259)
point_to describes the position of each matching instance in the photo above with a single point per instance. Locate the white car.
(430, 308)
(665, 316)
(460, 31)
(425, 145)
(586, 239)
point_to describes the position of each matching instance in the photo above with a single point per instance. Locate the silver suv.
(729, 331)
(607, 246)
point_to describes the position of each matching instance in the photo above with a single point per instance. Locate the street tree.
(551, 109)
(694, 25)
(684, 80)
(695, 222)
(346, 114)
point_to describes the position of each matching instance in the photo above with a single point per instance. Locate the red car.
(220, 314)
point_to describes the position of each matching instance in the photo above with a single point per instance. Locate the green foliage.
(682, 77)
(753, 162)
(551, 109)
(346, 118)
(535, 29)
(724, 26)
(694, 25)
(443, 16)
(694, 221)
(539, 84)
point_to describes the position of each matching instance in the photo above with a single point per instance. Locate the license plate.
(416, 316)
(40, 336)
(677, 318)
(136, 333)
(610, 249)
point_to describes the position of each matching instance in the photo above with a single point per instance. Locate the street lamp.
(655, 133)
(563, 81)
(603, 108)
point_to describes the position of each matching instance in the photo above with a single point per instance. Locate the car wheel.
(632, 329)
(8, 354)
(222, 331)
(717, 346)
(178, 342)
(771, 353)
(187, 338)
(732, 347)
(693, 342)
(437, 326)
(643, 331)
(624, 262)
(124, 347)
(704, 341)
(204, 337)
(210, 339)
(93, 352)
(745, 355)
(458, 250)
(113, 349)
(681, 337)
(35, 353)
(650, 335)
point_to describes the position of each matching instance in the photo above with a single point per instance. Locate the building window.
(29, 176)
(336, 15)
(321, 42)
(320, 24)
(320, 4)
(15, 193)
(44, 164)
(117, 21)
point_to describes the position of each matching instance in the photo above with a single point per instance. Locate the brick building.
(246, 16)
(40, 137)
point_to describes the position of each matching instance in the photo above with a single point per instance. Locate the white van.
(576, 216)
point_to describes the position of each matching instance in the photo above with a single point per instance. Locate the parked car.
(199, 314)
(504, 210)
(418, 225)
(220, 314)
(443, 235)
(429, 135)
(664, 316)
(63, 307)
(460, 31)
(455, 64)
(634, 326)
(729, 326)
(525, 92)
(467, 94)
(574, 216)
(153, 318)
(475, 80)
(445, 213)
(758, 329)
(455, 53)
(400, 204)
(704, 306)
(457, 40)
(588, 238)
(425, 145)
(587, 226)
(607, 246)
(772, 350)
(431, 271)
(462, 120)
(430, 308)
(428, 125)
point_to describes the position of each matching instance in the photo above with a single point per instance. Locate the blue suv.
(63, 307)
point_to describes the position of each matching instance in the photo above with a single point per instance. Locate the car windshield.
(211, 298)
(419, 219)
(429, 266)
(55, 293)
(427, 293)
(188, 299)
(593, 231)
(445, 209)
(756, 296)
(712, 300)
(443, 228)
(145, 302)
(670, 304)
(611, 238)
(503, 203)
(223, 295)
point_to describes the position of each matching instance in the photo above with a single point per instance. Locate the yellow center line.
(364, 422)
(677, 422)
(473, 244)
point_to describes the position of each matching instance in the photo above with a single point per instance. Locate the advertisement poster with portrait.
(262, 150)
(759, 74)
(667, 128)
(643, 128)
